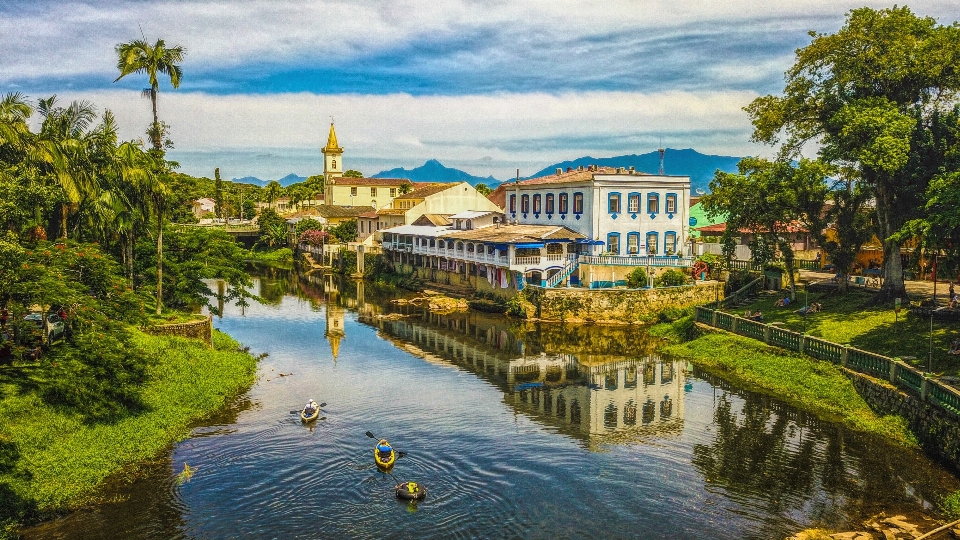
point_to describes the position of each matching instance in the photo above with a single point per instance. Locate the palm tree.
(138, 56)
(272, 192)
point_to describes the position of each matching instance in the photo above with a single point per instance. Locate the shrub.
(713, 261)
(950, 505)
(637, 278)
(313, 237)
(308, 224)
(670, 278)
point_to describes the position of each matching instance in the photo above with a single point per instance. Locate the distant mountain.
(434, 171)
(291, 178)
(687, 162)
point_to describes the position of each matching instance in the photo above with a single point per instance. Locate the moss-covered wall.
(618, 305)
(202, 330)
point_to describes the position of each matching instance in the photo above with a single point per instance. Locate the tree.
(138, 56)
(860, 93)
(769, 199)
(345, 231)
(272, 192)
(352, 173)
(483, 189)
(218, 198)
(405, 187)
(308, 224)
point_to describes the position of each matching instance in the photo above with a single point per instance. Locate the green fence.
(824, 350)
(905, 377)
(785, 338)
(750, 328)
(808, 264)
(868, 362)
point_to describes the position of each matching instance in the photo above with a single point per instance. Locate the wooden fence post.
(924, 389)
(733, 325)
(767, 332)
(803, 343)
(845, 356)
(893, 371)
(713, 323)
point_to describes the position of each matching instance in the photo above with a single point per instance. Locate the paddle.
(399, 454)
(322, 405)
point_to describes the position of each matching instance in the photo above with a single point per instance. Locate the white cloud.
(510, 128)
(44, 39)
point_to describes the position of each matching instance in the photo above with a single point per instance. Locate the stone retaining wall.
(202, 329)
(617, 305)
(937, 431)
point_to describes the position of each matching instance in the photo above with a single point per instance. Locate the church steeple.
(332, 160)
(332, 142)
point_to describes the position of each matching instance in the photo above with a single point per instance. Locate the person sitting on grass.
(806, 310)
(783, 302)
(757, 316)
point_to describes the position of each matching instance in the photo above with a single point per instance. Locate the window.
(634, 203)
(633, 243)
(513, 203)
(652, 241)
(525, 204)
(653, 203)
(671, 206)
(333, 164)
(578, 203)
(393, 192)
(564, 203)
(613, 243)
(549, 203)
(373, 192)
(613, 203)
(670, 242)
(536, 203)
(353, 192)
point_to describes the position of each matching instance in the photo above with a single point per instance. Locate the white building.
(622, 211)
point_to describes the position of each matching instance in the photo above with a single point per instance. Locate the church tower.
(335, 319)
(332, 159)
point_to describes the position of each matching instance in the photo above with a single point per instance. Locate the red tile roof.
(369, 215)
(429, 189)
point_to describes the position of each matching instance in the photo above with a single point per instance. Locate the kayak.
(384, 455)
(311, 418)
(411, 491)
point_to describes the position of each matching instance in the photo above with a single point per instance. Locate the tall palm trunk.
(159, 259)
(128, 249)
(157, 136)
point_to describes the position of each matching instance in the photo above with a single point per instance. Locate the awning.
(529, 245)
(501, 247)
(591, 242)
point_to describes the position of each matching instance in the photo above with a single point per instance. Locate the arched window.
(513, 203)
(670, 242)
(610, 381)
(578, 203)
(549, 203)
(633, 243)
(613, 203)
(630, 413)
(652, 241)
(653, 203)
(633, 204)
(564, 203)
(536, 204)
(525, 204)
(671, 204)
(666, 407)
(613, 243)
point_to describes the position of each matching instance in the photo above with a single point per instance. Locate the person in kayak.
(310, 408)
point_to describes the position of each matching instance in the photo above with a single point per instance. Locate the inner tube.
(411, 491)
(384, 455)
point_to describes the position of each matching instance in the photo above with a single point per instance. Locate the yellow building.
(339, 190)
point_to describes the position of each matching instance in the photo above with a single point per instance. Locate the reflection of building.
(618, 399)
(335, 317)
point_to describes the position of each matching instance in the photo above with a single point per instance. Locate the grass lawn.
(848, 319)
(51, 460)
(814, 385)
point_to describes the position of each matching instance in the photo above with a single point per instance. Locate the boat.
(384, 455)
(411, 491)
(310, 418)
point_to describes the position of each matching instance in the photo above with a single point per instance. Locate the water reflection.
(518, 430)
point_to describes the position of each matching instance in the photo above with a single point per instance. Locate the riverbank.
(52, 459)
(814, 385)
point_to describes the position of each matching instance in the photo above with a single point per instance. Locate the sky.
(486, 86)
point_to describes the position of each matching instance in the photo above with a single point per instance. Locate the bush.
(950, 505)
(670, 278)
(637, 278)
(308, 224)
(313, 237)
(713, 261)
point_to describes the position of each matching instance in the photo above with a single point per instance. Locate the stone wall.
(468, 282)
(937, 430)
(617, 305)
(202, 329)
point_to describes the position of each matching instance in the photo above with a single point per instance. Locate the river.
(516, 430)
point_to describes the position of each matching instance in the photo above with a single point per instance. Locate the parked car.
(50, 324)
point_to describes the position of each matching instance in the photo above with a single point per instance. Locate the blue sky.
(486, 86)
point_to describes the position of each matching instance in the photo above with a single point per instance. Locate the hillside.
(291, 178)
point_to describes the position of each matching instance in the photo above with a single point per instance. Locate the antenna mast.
(661, 156)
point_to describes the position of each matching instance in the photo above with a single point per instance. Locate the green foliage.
(516, 308)
(308, 224)
(637, 278)
(950, 506)
(713, 261)
(671, 277)
(345, 231)
(674, 330)
(352, 174)
(483, 189)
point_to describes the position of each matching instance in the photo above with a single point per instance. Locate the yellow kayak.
(384, 455)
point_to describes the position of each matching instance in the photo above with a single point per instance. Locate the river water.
(516, 431)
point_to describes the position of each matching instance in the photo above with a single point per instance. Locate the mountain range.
(686, 162)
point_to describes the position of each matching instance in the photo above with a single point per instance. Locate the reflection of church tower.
(332, 160)
(335, 331)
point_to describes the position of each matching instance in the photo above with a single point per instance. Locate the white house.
(204, 206)
(623, 212)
